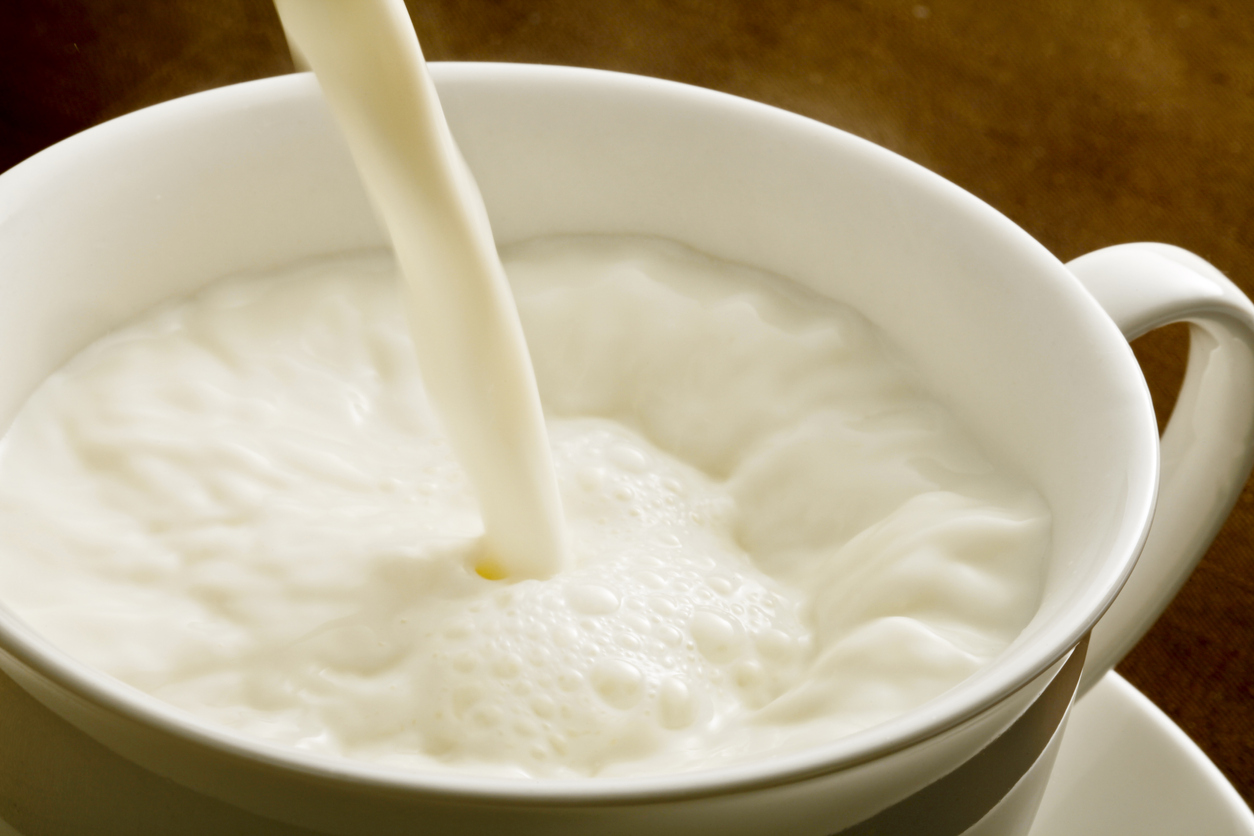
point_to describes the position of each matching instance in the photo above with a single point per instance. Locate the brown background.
(1088, 123)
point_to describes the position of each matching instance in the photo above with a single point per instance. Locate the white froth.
(244, 505)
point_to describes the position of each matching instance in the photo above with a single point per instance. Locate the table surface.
(1087, 124)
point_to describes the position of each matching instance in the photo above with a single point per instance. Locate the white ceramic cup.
(155, 204)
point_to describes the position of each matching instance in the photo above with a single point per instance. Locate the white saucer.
(1124, 769)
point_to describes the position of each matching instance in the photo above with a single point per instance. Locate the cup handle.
(1208, 446)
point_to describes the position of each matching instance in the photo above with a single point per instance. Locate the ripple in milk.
(243, 504)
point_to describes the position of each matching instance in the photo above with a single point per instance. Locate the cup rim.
(21, 645)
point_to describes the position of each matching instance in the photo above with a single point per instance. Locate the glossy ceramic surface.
(1124, 769)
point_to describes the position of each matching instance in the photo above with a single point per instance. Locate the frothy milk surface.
(244, 505)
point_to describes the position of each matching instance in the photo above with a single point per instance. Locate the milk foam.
(244, 505)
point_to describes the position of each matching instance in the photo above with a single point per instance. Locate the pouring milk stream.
(466, 330)
(772, 537)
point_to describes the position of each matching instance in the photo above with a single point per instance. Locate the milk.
(465, 327)
(245, 504)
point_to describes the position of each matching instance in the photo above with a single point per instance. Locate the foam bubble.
(592, 599)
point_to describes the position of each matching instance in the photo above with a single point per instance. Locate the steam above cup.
(159, 202)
